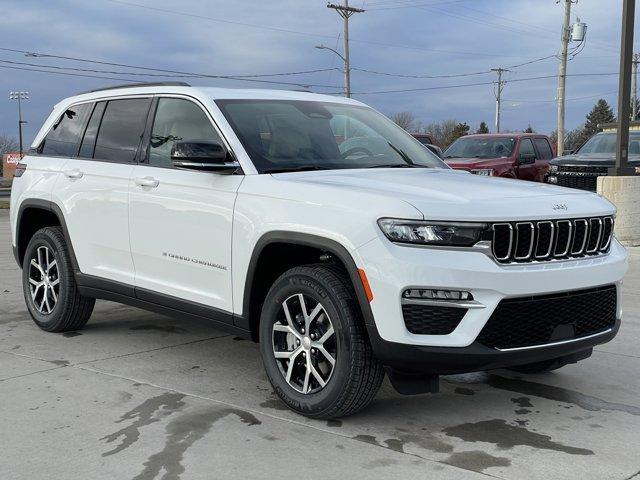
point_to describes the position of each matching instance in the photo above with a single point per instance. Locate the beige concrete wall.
(624, 193)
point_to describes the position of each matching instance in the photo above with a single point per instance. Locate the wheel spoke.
(290, 354)
(278, 327)
(326, 335)
(53, 295)
(314, 313)
(305, 386)
(33, 282)
(327, 355)
(292, 362)
(55, 282)
(317, 375)
(34, 292)
(51, 265)
(45, 300)
(35, 264)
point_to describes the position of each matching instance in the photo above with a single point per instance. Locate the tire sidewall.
(309, 285)
(46, 238)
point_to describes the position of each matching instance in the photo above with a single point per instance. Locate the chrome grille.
(521, 242)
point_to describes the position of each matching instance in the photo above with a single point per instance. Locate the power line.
(120, 79)
(252, 78)
(308, 34)
(444, 87)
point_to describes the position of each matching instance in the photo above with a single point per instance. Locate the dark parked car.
(513, 155)
(593, 159)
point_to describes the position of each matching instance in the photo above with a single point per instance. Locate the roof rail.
(142, 84)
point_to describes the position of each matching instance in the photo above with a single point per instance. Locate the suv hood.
(594, 159)
(469, 163)
(441, 194)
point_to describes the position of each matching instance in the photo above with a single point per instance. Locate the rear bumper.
(475, 357)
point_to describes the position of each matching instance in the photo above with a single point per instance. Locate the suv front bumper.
(391, 269)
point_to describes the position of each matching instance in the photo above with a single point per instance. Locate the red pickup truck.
(513, 155)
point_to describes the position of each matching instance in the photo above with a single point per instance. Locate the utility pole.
(19, 96)
(562, 73)
(498, 93)
(345, 12)
(634, 87)
(624, 91)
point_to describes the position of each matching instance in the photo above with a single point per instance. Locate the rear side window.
(121, 129)
(89, 140)
(64, 137)
(543, 147)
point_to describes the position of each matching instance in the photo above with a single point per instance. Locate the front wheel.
(49, 285)
(314, 345)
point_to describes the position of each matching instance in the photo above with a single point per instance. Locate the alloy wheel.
(304, 344)
(44, 280)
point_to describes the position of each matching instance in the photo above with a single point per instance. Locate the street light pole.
(345, 12)
(622, 167)
(19, 96)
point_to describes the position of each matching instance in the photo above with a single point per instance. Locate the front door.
(181, 220)
(526, 160)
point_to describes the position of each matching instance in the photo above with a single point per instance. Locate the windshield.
(606, 143)
(481, 147)
(289, 135)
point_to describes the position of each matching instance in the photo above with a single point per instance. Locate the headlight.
(424, 232)
(552, 179)
(553, 168)
(486, 172)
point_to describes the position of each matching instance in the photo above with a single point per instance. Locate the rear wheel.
(49, 286)
(314, 345)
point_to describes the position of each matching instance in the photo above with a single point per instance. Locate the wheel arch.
(257, 283)
(33, 215)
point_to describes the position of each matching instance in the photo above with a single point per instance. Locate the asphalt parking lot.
(139, 395)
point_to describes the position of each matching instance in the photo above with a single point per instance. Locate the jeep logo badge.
(560, 206)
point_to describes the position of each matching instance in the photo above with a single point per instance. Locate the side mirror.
(201, 155)
(567, 152)
(526, 158)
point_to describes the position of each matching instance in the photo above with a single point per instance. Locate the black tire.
(71, 311)
(539, 367)
(356, 376)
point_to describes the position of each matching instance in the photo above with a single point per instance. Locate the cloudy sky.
(252, 37)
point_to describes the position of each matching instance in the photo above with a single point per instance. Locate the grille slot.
(542, 319)
(430, 319)
(521, 242)
(580, 235)
(595, 232)
(563, 237)
(583, 177)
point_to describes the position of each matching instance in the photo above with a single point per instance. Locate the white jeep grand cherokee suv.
(317, 227)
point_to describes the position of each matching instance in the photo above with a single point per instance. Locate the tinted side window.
(122, 127)
(526, 147)
(89, 140)
(63, 138)
(175, 120)
(543, 147)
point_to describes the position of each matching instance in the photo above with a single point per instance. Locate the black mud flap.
(413, 384)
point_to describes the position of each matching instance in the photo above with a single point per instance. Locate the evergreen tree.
(483, 128)
(601, 113)
(460, 130)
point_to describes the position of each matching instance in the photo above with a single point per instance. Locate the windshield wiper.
(400, 152)
(396, 165)
(303, 168)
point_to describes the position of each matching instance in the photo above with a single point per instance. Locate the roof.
(506, 135)
(214, 93)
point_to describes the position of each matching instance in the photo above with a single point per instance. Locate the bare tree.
(405, 120)
(441, 132)
(8, 144)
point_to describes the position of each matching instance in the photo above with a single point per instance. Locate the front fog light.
(553, 180)
(432, 294)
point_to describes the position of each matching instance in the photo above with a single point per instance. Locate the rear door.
(181, 220)
(94, 189)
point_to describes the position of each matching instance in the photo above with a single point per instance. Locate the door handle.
(74, 173)
(146, 182)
